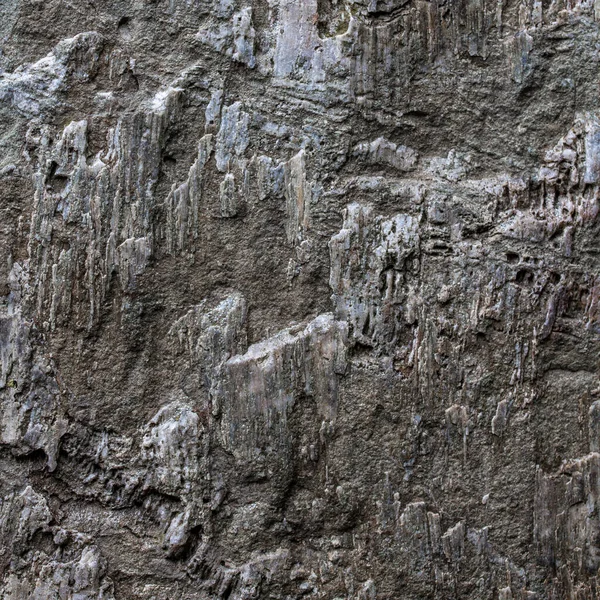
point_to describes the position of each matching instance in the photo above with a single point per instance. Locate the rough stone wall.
(299, 299)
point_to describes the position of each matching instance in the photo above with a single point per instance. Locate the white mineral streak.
(35, 88)
(229, 203)
(177, 534)
(132, 256)
(213, 336)
(369, 259)
(170, 450)
(243, 37)
(78, 579)
(108, 199)
(297, 36)
(385, 153)
(297, 199)
(564, 509)
(232, 139)
(31, 415)
(213, 108)
(302, 60)
(81, 577)
(570, 189)
(231, 33)
(32, 515)
(500, 418)
(453, 542)
(163, 99)
(257, 390)
(184, 201)
(594, 426)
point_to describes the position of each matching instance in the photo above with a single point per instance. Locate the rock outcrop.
(299, 299)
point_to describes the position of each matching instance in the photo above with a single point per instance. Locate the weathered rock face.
(299, 298)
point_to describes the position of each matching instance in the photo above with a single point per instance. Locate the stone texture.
(299, 299)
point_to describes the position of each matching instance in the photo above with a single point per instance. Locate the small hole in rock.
(124, 28)
(524, 277)
(554, 278)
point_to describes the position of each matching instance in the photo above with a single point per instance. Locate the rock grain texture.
(299, 299)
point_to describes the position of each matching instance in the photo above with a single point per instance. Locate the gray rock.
(299, 299)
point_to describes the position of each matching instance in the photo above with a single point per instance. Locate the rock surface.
(299, 299)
